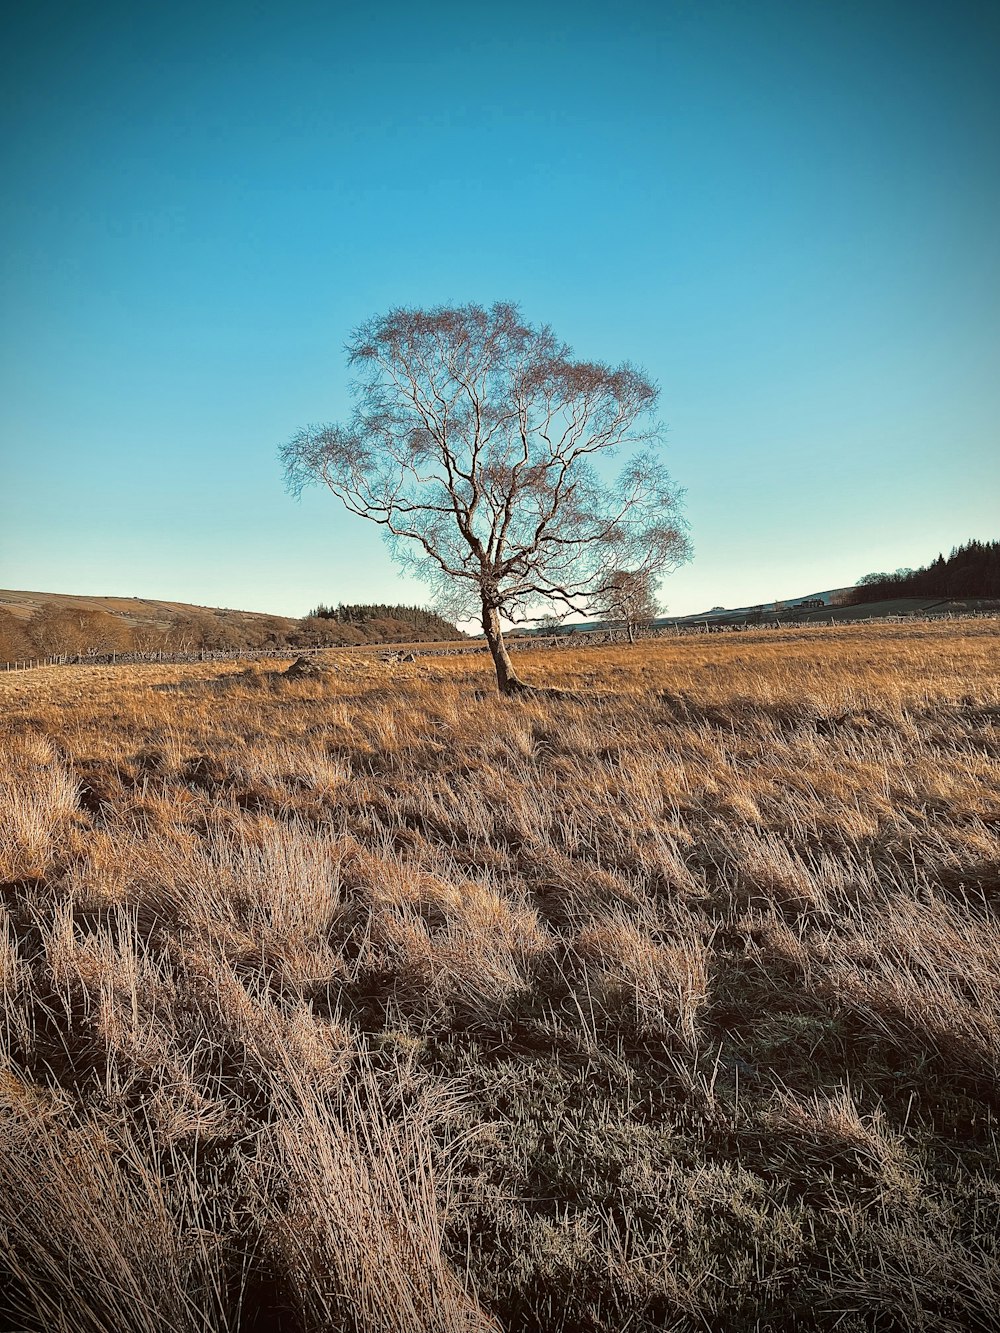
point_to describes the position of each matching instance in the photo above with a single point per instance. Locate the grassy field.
(376, 1003)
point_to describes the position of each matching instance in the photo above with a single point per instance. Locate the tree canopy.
(632, 600)
(971, 570)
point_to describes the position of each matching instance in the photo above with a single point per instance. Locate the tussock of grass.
(667, 1000)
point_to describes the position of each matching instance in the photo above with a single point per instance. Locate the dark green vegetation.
(417, 617)
(972, 570)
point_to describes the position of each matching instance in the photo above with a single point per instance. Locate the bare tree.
(14, 642)
(550, 621)
(477, 442)
(78, 630)
(632, 600)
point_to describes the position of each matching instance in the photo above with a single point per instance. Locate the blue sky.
(787, 213)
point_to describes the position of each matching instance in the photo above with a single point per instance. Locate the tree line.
(358, 614)
(971, 570)
(58, 630)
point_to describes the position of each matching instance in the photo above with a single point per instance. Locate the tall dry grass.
(376, 1002)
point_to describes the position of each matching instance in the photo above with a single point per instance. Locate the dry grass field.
(377, 1003)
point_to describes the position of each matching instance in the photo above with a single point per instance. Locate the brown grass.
(375, 1002)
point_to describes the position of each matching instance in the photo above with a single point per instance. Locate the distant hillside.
(970, 576)
(829, 597)
(841, 609)
(39, 624)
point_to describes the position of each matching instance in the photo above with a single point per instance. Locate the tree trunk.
(508, 681)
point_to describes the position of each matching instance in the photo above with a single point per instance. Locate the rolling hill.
(38, 624)
(133, 610)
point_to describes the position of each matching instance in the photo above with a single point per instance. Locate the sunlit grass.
(377, 1002)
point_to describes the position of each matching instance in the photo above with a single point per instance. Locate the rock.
(306, 667)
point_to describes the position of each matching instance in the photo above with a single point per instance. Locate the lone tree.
(632, 600)
(476, 442)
